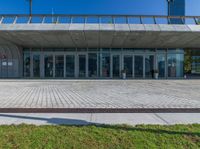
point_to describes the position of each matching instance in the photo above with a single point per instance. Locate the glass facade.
(36, 66)
(27, 65)
(70, 66)
(108, 63)
(176, 8)
(192, 62)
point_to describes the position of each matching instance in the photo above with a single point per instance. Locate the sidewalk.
(99, 118)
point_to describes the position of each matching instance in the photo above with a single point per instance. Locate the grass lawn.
(100, 137)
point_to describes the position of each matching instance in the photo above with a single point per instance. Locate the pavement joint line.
(158, 116)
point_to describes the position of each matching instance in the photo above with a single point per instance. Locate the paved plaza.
(99, 93)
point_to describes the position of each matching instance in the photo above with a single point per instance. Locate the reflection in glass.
(161, 65)
(175, 65)
(36, 65)
(128, 65)
(139, 66)
(48, 65)
(59, 66)
(149, 66)
(27, 65)
(116, 66)
(92, 64)
(82, 65)
(70, 65)
(105, 65)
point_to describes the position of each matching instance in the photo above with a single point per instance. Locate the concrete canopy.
(101, 35)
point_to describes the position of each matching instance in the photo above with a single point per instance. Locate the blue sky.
(153, 7)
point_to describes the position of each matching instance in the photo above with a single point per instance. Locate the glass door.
(27, 65)
(161, 62)
(139, 67)
(116, 66)
(48, 66)
(105, 65)
(82, 65)
(36, 65)
(128, 65)
(92, 65)
(59, 66)
(149, 66)
(70, 66)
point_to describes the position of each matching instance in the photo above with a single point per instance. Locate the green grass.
(100, 137)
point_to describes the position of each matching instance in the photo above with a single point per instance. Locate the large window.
(70, 66)
(128, 65)
(82, 65)
(149, 66)
(105, 65)
(59, 66)
(116, 65)
(139, 66)
(36, 66)
(48, 65)
(92, 64)
(192, 62)
(161, 62)
(175, 65)
(27, 65)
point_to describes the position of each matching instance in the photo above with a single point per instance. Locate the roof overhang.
(101, 35)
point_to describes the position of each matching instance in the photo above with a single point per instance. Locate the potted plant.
(156, 73)
(123, 74)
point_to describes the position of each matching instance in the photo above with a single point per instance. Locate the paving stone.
(99, 93)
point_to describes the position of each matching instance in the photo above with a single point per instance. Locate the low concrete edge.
(99, 110)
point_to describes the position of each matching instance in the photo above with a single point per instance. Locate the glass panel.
(161, 20)
(148, 20)
(128, 65)
(70, 65)
(78, 20)
(161, 65)
(139, 66)
(120, 20)
(105, 65)
(116, 66)
(59, 66)
(134, 20)
(36, 65)
(48, 65)
(149, 66)
(92, 64)
(82, 65)
(175, 65)
(106, 20)
(91, 19)
(27, 65)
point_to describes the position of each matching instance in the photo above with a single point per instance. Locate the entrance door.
(139, 67)
(48, 66)
(92, 65)
(149, 66)
(161, 63)
(36, 65)
(105, 65)
(128, 65)
(70, 66)
(59, 66)
(82, 65)
(115, 66)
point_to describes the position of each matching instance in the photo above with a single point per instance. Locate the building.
(100, 46)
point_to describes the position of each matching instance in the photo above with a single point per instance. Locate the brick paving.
(99, 93)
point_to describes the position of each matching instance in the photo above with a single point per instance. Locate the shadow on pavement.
(57, 121)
